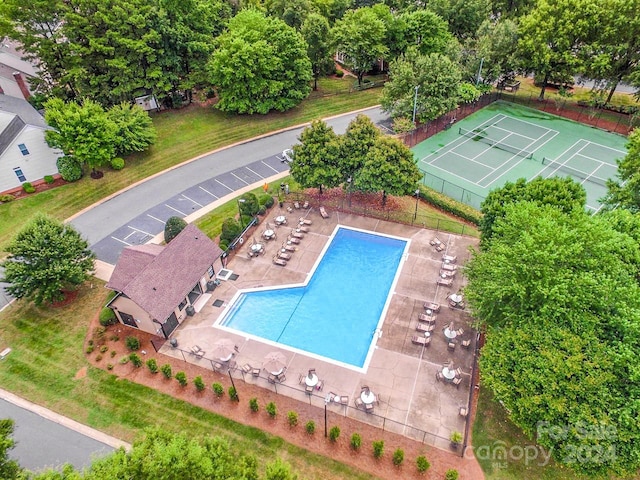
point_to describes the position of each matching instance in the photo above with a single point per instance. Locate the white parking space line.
(255, 173)
(156, 218)
(121, 241)
(271, 166)
(192, 200)
(225, 186)
(175, 210)
(207, 191)
(245, 182)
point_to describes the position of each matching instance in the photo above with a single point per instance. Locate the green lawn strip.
(494, 433)
(182, 135)
(47, 353)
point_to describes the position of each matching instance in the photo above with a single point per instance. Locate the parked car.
(287, 156)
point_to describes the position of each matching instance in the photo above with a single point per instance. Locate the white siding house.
(24, 153)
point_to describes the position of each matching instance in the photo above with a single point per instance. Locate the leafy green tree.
(332, 10)
(316, 160)
(360, 36)
(261, 64)
(426, 31)
(625, 192)
(551, 35)
(557, 296)
(249, 205)
(390, 168)
(9, 469)
(46, 258)
(315, 31)
(562, 193)
(356, 143)
(463, 16)
(134, 129)
(437, 79)
(173, 227)
(83, 131)
(292, 12)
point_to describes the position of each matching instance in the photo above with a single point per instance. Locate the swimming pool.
(336, 314)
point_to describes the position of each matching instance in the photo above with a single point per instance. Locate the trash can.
(173, 342)
(191, 311)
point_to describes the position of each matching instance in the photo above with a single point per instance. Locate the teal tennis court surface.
(504, 142)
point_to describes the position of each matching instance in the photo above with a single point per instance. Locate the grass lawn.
(47, 354)
(182, 135)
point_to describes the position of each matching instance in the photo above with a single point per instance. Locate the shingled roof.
(158, 278)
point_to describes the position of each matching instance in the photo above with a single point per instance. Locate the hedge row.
(449, 205)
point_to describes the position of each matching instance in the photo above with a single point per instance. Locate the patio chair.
(296, 205)
(308, 389)
(446, 282)
(449, 258)
(449, 267)
(458, 372)
(344, 399)
(297, 235)
(305, 204)
(323, 213)
(465, 344)
(460, 332)
(281, 377)
(320, 385)
(439, 377)
(272, 378)
(359, 403)
(365, 388)
(447, 273)
(301, 379)
(255, 372)
(368, 407)
(246, 368)
(288, 248)
(451, 346)
(463, 412)
(197, 351)
(279, 261)
(423, 327)
(457, 381)
(423, 317)
(304, 221)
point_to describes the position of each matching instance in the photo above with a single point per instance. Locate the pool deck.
(401, 373)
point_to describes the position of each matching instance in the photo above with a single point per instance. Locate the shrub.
(113, 353)
(339, 73)
(181, 377)
(98, 357)
(173, 227)
(266, 200)
(110, 366)
(124, 360)
(135, 360)
(451, 474)
(378, 448)
(262, 211)
(117, 163)
(334, 433)
(230, 230)
(69, 168)
(250, 206)
(132, 343)
(422, 463)
(48, 179)
(253, 404)
(271, 409)
(200, 386)
(103, 349)
(450, 206)
(398, 457)
(28, 187)
(107, 317)
(455, 437)
(356, 441)
(292, 417)
(233, 394)
(89, 349)
(224, 246)
(166, 370)
(6, 198)
(310, 427)
(217, 389)
(152, 365)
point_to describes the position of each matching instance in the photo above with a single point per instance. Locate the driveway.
(136, 215)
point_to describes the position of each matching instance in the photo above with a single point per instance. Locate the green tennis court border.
(467, 168)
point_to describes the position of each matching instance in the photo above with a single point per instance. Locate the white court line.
(156, 218)
(456, 141)
(523, 159)
(518, 134)
(207, 191)
(608, 148)
(529, 123)
(175, 210)
(121, 241)
(539, 174)
(230, 189)
(262, 161)
(242, 180)
(466, 158)
(192, 200)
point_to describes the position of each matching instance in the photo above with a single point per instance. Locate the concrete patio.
(401, 373)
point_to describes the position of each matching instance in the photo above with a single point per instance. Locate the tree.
(437, 79)
(464, 17)
(550, 37)
(9, 469)
(173, 227)
(557, 296)
(46, 258)
(390, 168)
(360, 36)
(562, 193)
(315, 31)
(279, 470)
(316, 160)
(355, 145)
(292, 12)
(84, 131)
(625, 192)
(426, 31)
(261, 64)
(134, 129)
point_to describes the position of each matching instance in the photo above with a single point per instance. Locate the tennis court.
(504, 142)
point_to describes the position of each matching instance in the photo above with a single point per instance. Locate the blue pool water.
(336, 313)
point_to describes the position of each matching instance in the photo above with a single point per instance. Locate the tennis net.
(574, 172)
(480, 136)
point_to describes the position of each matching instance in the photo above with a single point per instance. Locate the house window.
(210, 271)
(19, 174)
(23, 148)
(128, 319)
(182, 304)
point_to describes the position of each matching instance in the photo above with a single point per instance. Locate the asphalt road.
(136, 215)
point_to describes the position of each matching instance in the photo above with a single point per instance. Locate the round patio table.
(281, 219)
(448, 374)
(450, 334)
(227, 358)
(268, 233)
(311, 381)
(256, 247)
(367, 397)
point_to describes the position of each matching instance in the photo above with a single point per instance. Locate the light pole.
(415, 213)
(415, 104)
(327, 399)
(240, 200)
(349, 189)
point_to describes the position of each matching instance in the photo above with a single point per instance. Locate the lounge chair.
(435, 241)
(294, 240)
(418, 340)
(197, 351)
(423, 317)
(247, 368)
(421, 327)
(458, 372)
(304, 221)
(446, 282)
(297, 235)
(449, 267)
(296, 205)
(460, 332)
(449, 258)
(323, 213)
(434, 307)
(279, 261)
(284, 256)
(447, 273)
(304, 229)
(288, 248)
(305, 204)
